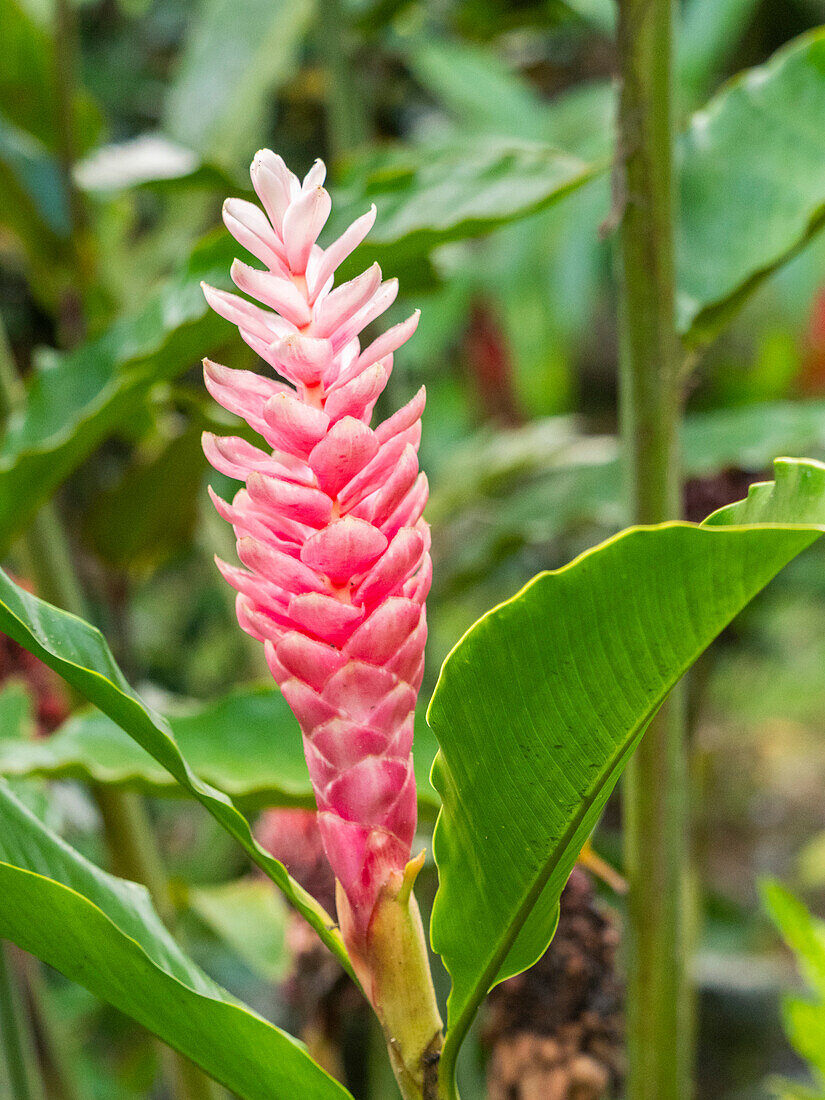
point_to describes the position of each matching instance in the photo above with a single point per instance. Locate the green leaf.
(76, 400)
(36, 175)
(804, 1023)
(804, 934)
(542, 702)
(34, 210)
(234, 59)
(247, 744)
(709, 32)
(250, 917)
(79, 653)
(752, 183)
(16, 718)
(483, 95)
(429, 196)
(103, 933)
(477, 87)
(751, 169)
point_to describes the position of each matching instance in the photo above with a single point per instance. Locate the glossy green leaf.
(250, 917)
(103, 933)
(76, 400)
(79, 653)
(235, 57)
(542, 702)
(804, 1019)
(247, 744)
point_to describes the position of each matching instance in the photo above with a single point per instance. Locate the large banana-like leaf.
(102, 932)
(79, 653)
(540, 705)
(247, 744)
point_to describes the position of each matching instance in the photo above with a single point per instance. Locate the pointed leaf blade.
(541, 704)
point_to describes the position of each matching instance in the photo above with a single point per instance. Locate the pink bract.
(329, 524)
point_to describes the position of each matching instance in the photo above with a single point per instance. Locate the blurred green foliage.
(482, 129)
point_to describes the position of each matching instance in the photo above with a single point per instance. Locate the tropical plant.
(549, 696)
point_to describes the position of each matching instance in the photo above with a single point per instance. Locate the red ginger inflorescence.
(329, 524)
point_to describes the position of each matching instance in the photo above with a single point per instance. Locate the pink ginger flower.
(329, 524)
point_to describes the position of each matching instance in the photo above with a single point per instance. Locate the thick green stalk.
(54, 1031)
(391, 961)
(656, 811)
(17, 1042)
(71, 319)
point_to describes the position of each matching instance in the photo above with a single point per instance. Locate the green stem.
(18, 1045)
(71, 321)
(347, 125)
(53, 1031)
(656, 812)
(132, 849)
(392, 964)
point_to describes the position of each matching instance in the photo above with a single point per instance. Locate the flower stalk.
(330, 531)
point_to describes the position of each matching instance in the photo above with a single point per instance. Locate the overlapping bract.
(329, 524)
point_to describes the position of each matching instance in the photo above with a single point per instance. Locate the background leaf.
(752, 182)
(430, 196)
(805, 936)
(102, 932)
(250, 917)
(540, 705)
(247, 744)
(152, 511)
(234, 58)
(751, 168)
(27, 82)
